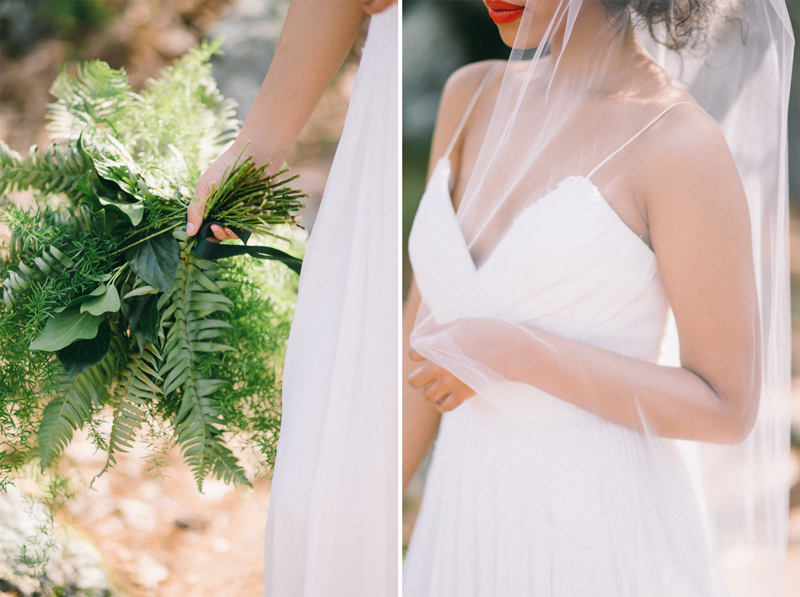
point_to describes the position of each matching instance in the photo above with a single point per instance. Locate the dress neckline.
(444, 162)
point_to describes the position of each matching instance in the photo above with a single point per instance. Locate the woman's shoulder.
(683, 131)
(462, 85)
(685, 158)
(469, 76)
(456, 96)
(684, 136)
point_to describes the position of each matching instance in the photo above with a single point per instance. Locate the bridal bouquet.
(109, 307)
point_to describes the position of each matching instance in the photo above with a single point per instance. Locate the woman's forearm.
(666, 401)
(314, 41)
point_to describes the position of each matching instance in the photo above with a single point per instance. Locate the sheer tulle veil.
(738, 71)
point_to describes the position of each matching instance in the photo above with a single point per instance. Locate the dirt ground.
(160, 537)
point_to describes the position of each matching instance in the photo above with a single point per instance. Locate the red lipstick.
(503, 13)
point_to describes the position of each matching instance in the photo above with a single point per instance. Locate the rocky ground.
(142, 36)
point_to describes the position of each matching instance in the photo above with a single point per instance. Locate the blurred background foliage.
(25, 24)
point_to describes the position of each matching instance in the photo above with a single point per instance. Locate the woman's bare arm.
(314, 41)
(420, 417)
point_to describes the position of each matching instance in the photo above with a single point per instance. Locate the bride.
(332, 520)
(588, 199)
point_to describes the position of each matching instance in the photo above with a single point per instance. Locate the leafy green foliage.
(137, 384)
(194, 329)
(56, 169)
(260, 324)
(148, 320)
(249, 198)
(94, 97)
(85, 354)
(182, 121)
(70, 409)
(36, 282)
(155, 260)
(106, 300)
(65, 328)
(107, 309)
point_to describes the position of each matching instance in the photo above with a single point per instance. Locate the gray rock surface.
(38, 558)
(250, 32)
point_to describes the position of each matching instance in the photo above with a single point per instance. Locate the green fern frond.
(55, 169)
(189, 345)
(71, 408)
(137, 384)
(188, 121)
(94, 96)
(20, 279)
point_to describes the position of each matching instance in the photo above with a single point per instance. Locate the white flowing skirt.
(332, 522)
(563, 504)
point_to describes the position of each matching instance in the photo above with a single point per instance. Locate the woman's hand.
(442, 388)
(210, 180)
(372, 7)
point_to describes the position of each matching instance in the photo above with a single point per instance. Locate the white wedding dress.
(332, 522)
(528, 495)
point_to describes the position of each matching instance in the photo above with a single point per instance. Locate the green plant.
(107, 307)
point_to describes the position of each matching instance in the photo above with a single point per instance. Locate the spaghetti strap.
(468, 111)
(647, 126)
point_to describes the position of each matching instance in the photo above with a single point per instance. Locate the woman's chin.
(507, 37)
(508, 33)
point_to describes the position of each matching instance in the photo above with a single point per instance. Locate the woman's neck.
(595, 47)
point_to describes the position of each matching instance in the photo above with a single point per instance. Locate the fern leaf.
(227, 468)
(94, 96)
(56, 169)
(195, 299)
(70, 409)
(135, 387)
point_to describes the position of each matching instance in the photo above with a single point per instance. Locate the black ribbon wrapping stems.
(212, 251)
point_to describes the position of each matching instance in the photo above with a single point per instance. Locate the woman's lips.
(503, 13)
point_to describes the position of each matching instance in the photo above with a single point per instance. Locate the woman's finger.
(447, 403)
(455, 399)
(436, 391)
(223, 233)
(450, 402)
(194, 216)
(421, 377)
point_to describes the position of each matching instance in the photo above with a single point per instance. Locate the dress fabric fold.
(527, 494)
(332, 521)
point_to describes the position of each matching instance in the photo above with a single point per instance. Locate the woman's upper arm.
(456, 96)
(700, 231)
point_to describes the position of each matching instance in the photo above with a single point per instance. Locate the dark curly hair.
(685, 22)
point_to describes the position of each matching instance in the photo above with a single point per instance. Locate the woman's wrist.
(263, 148)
